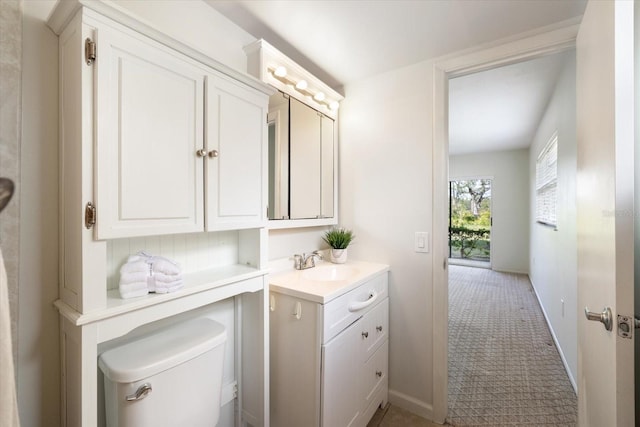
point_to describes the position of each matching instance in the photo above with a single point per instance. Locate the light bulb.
(319, 96)
(280, 71)
(302, 85)
(334, 105)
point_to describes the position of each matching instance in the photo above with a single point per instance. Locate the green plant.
(470, 240)
(338, 238)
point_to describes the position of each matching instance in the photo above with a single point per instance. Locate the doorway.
(470, 222)
(533, 47)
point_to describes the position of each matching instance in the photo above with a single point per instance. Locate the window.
(547, 182)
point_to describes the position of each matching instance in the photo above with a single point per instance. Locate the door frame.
(545, 41)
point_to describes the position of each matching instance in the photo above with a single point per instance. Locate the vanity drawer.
(374, 328)
(346, 309)
(375, 377)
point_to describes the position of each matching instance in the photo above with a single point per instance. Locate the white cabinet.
(167, 144)
(341, 362)
(329, 360)
(236, 156)
(170, 153)
(150, 124)
(311, 145)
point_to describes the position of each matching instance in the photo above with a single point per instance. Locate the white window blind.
(547, 182)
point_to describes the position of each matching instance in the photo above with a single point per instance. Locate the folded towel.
(138, 276)
(165, 278)
(135, 266)
(168, 284)
(133, 291)
(134, 286)
(168, 290)
(143, 273)
(165, 266)
(154, 284)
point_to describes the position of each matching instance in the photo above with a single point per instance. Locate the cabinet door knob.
(379, 328)
(378, 374)
(213, 153)
(365, 335)
(201, 152)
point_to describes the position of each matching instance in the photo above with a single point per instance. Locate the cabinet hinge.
(89, 51)
(89, 215)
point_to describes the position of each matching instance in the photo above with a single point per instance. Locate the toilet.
(172, 377)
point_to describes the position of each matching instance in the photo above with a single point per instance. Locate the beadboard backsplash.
(194, 252)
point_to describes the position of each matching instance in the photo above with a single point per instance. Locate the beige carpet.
(504, 368)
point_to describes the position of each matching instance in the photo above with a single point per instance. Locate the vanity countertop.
(325, 281)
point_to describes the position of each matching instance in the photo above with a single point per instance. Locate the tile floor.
(392, 416)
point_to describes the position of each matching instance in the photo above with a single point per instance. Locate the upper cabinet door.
(149, 115)
(304, 160)
(236, 144)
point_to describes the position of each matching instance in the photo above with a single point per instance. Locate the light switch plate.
(421, 243)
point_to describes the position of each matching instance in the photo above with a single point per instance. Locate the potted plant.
(338, 239)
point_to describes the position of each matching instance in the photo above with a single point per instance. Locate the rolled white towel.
(138, 276)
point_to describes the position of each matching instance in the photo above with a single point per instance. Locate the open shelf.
(221, 278)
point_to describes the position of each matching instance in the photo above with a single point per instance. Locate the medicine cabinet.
(303, 147)
(301, 161)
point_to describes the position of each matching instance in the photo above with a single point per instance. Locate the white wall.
(509, 202)
(38, 335)
(553, 264)
(385, 197)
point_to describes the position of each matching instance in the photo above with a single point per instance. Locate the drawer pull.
(379, 328)
(379, 374)
(365, 335)
(357, 306)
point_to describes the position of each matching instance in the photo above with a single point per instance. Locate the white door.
(236, 164)
(149, 116)
(605, 131)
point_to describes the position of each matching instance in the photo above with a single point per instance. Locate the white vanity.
(329, 344)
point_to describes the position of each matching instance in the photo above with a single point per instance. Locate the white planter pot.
(338, 256)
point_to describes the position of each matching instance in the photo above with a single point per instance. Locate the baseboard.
(502, 270)
(411, 404)
(555, 339)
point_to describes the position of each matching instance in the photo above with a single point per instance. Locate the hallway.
(504, 368)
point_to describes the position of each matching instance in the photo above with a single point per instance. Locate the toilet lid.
(161, 350)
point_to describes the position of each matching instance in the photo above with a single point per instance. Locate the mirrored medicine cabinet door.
(301, 161)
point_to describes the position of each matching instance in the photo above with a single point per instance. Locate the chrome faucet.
(304, 261)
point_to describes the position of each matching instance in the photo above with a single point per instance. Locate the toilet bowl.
(172, 377)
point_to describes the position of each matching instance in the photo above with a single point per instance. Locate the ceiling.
(500, 109)
(349, 40)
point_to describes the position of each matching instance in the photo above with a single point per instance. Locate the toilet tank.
(172, 377)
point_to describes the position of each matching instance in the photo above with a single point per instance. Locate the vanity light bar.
(280, 73)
